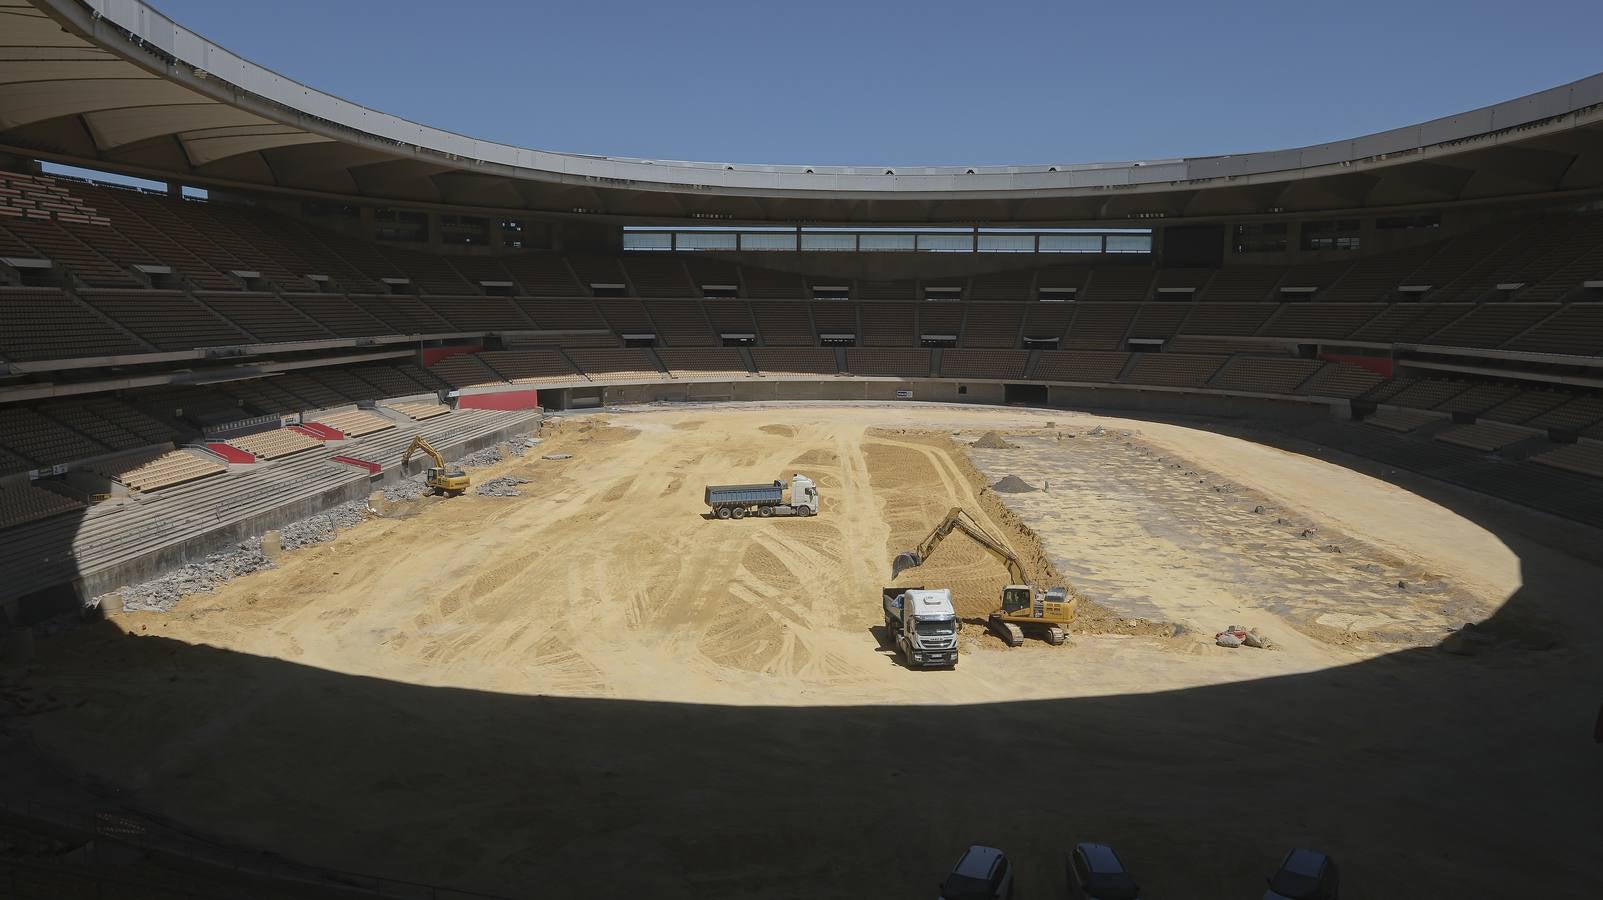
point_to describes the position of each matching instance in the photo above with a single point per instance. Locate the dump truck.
(736, 501)
(1025, 608)
(922, 625)
(441, 480)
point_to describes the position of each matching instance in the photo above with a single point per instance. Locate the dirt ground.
(597, 684)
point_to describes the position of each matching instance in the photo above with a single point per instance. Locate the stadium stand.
(1173, 369)
(162, 469)
(264, 317)
(788, 362)
(479, 313)
(1265, 375)
(1099, 326)
(1575, 416)
(995, 325)
(1427, 393)
(531, 366)
(1576, 329)
(1341, 380)
(24, 503)
(1525, 406)
(355, 422)
(1080, 365)
(730, 317)
(1586, 459)
(1409, 322)
(947, 319)
(1009, 285)
(616, 364)
(1228, 318)
(704, 363)
(1241, 284)
(464, 370)
(682, 323)
(279, 442)
(769, 284)
(910, 363)
(1487, 436)
(659, 276)
(420, 411)
(998, 364)
(544, 275)
(1322, 321)
(29, 435)
(1118, 283)
(42, 323)
(563, 315)
(888, 325)
(167, 320)
(1479, 398)
(1159, 321)
(1491, 324)
(1401, 419)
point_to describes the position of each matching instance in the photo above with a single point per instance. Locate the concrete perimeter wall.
(69, 597)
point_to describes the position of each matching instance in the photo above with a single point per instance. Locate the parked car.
(1305, 875)
(983, 873)
(1095, 872)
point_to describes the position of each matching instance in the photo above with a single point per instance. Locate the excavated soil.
(595, 680)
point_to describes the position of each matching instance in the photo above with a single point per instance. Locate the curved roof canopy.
(115, 84)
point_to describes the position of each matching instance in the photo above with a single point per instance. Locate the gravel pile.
(993, 441)
(506, 486)
(410, 489)
(518, 448)
(489, 456)
(162, 594)
(321, 528)
(1013, 484)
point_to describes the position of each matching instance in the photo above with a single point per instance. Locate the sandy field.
(598, 684)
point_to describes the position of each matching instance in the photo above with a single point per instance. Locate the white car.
(983, 873)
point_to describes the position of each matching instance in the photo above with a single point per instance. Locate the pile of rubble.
(993, 441)
(321, 528)
(203, 577)
(505, 486)
(410, 489)
(489, 456)
(1013, 484)
(1237, 636)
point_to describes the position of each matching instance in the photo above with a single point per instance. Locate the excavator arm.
(957, 519)
(418, 443)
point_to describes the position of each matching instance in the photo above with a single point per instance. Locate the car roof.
(1305, 862)
(978, 861)
(1101, 858)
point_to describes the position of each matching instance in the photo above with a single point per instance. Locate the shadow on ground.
(1424, 773)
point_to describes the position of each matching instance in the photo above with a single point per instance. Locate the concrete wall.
(71, 597)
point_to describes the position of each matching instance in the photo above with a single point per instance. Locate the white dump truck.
(923, 625)
(735, 501)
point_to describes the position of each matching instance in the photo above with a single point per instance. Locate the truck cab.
(803, 495)
(923, 624)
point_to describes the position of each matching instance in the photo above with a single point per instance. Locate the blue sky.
(909, 83)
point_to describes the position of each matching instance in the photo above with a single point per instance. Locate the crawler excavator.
(1024, 607)
(450, 482)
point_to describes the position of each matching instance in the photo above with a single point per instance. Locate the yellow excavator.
(1024, 607)
(450, 482)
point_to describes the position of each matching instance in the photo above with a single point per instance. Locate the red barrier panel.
(234, 455)
(1380, 365)
(372, 467)
(525, 399)
(432, 355)
(320, 431)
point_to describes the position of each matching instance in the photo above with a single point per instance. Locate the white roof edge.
(156, 30)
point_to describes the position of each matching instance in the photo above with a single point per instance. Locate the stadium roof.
(115, 84)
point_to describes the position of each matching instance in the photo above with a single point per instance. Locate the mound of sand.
(993, 441)
(1013, 484)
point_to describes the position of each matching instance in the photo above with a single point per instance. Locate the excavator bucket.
(905, 561)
